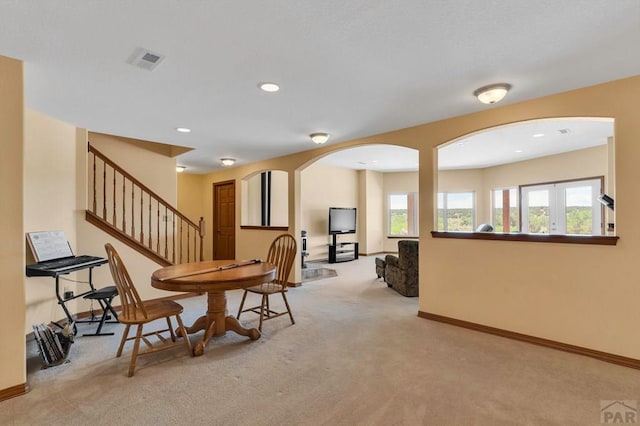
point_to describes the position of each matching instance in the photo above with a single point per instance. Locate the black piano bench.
(104, 296)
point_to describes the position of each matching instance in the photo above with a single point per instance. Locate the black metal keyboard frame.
(41, 270)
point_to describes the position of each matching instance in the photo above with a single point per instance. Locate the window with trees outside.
(569, 207)
(456, 211)
(403, 214)
(504, 213)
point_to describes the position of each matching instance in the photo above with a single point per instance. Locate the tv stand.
(342, 252)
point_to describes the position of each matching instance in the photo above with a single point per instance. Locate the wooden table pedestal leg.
(218, 322)
(233, 324)
(199, 324)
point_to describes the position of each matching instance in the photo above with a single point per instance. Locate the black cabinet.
(343, 252)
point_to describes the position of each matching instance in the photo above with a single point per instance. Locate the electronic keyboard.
(52, 268)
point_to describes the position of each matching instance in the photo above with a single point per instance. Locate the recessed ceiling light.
(518, 150)
(538, 135)
(180, 169)
(183, 129)
(269, 87)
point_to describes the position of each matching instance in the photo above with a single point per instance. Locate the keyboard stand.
(35, 271)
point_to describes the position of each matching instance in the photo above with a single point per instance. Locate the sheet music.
(48, 245)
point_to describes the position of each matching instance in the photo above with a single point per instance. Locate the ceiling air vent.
(564, 131)
(145, 59)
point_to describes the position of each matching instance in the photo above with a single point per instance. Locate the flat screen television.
(342, 220)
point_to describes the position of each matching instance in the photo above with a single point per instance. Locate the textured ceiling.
(352, 68)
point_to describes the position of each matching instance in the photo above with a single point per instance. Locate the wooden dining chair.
(282, 253)
(138, 312)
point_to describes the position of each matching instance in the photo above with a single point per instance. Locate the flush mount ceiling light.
(227, 161)
(183, 129)
(319, 138)
(180, 169)
(493, 93)
(268, 87)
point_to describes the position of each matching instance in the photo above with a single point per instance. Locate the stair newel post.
(202, 233)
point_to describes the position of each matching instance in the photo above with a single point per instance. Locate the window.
(504, 213)
(570, 207)
(403, 214)
(456, 211)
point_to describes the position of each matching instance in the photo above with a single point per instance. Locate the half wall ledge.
(531, 238)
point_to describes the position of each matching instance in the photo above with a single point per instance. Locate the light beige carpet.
(357, 355)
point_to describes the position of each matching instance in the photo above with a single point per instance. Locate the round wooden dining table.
(214, 277)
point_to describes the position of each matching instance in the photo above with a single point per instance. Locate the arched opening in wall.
(380, 181)
(265, 200)
(543, 177)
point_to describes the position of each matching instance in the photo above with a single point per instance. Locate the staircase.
(128, 210)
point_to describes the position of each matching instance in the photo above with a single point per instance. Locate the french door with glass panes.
(566, 208)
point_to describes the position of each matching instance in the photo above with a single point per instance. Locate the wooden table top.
(204, 276)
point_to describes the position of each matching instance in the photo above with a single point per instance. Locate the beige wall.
(584, 163)
(279, 198)
(371, 222)
(12, 248)
(190, 200)
(555, 291)
(49, 201)
(322, 187)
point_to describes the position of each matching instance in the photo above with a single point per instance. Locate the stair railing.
(130, 211)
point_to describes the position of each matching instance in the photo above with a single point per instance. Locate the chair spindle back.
(132, 306)
(282, 253)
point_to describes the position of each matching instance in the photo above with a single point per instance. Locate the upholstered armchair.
(401, 271)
